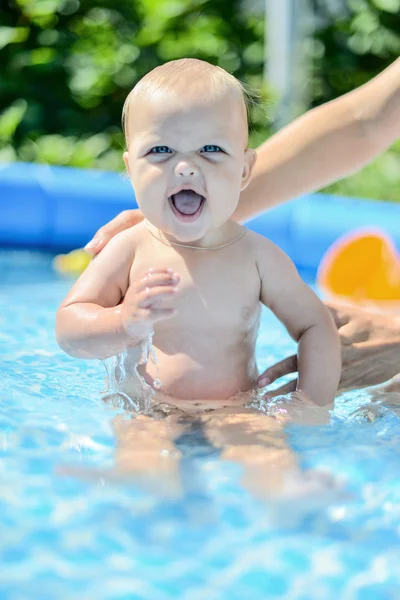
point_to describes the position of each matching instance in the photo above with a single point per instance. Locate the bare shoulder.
(269, 256)
(119, 254)
(123, 244)
(106, 278)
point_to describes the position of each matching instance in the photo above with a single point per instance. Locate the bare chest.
(219, 291)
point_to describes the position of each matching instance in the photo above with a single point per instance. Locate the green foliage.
(350, 49)
(381, 179)
(67, 66)
(11, 118)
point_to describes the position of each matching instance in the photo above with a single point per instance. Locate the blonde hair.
(206, 79)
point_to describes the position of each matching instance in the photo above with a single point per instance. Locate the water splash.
(157, 383)
(289, 409)
(127, 388)
(135, 544)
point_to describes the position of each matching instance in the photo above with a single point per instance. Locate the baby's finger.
(154, 270)
(160, 278)
(152, 297)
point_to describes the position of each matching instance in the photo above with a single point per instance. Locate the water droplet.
(157, 384)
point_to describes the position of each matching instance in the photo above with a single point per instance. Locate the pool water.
(66, 537)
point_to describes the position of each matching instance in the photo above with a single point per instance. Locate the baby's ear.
(250, 159)
(125, 156)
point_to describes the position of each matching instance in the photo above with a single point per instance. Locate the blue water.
(64, 537)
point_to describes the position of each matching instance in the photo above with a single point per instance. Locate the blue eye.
(212, 148)
(160, 150)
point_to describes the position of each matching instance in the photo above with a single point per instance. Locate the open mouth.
(187, 205)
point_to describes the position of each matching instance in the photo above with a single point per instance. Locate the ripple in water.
(93, 534)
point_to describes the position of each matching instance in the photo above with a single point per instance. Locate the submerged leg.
(258, 442)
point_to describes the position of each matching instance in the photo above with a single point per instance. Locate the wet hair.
(208, 81)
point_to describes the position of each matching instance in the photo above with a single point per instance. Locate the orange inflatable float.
(362, 267)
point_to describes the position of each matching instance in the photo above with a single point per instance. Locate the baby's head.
(186, 132)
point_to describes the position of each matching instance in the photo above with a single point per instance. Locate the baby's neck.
(224, 236)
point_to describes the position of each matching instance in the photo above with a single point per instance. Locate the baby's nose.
(185, 169)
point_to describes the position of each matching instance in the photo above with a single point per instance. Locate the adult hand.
(126, 219)
(370, 350)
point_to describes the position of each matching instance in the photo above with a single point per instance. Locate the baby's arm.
(306, 319)
(103, 314)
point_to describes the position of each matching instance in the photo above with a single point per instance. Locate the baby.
(189, 274)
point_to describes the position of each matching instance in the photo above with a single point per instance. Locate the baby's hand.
(143, 302)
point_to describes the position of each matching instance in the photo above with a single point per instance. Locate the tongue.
(187, 202)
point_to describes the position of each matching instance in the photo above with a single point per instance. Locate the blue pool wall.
(60, 208)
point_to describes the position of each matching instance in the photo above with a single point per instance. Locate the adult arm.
(325, 144)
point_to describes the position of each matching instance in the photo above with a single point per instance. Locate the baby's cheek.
(146, 177)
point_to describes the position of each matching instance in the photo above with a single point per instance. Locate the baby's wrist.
(134, 332)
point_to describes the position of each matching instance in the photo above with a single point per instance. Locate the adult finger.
(352, 333)
(283, 390)
(125, 219)
(350, 355)
(340, 316)
(284, 367)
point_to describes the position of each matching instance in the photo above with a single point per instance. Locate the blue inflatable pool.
(60, 208)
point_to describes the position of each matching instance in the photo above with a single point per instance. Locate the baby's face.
(188, 161)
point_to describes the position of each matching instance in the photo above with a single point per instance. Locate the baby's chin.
(186, 236)
(207, 236)
(189, 233)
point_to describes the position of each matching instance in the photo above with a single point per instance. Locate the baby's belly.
(186, 377)
(211, 379)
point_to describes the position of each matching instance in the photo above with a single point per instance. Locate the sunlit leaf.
(39, 8)
(42, 56)
(10, 118)
(13, 35)
(391, 6)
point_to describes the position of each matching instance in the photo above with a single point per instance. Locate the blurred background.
(67, 66)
